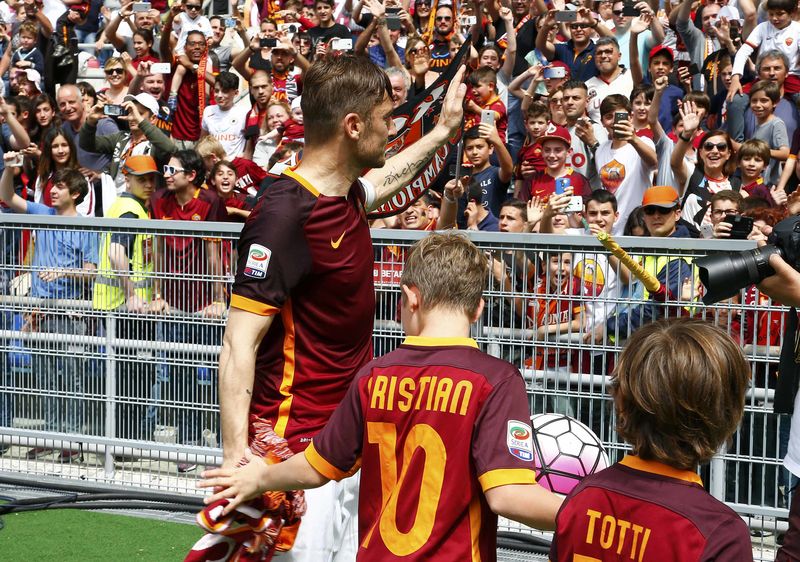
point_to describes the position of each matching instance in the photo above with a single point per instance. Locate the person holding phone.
(626, 161)
(612, 77)
(484, 104)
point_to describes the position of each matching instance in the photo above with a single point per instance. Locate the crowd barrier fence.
(128, 398)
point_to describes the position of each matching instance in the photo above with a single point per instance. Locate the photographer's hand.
(784, 286)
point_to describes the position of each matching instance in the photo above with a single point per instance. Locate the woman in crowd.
(58, 152)
(143, 47)
(88, 95)
(712, 173)
(117, 81)
(278, 113)
(422, 16)
(418, 63)
(45, 116)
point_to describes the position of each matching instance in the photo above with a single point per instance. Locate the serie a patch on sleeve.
(519, 440)
(257, 261)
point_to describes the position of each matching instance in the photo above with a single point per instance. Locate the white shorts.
(329, 529)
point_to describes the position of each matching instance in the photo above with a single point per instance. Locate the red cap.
(556, 132)
(82, 8)
(661, 196)
(662, 49)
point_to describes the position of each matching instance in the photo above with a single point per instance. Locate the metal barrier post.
(717, 485)
(111, 391)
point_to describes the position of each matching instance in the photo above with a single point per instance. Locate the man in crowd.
(440, 44)
(578, 52)
(73, 112)
(699, 42)
(585, 134)
(326, 28)
(612, 78)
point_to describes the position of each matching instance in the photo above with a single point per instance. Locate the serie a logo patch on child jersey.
(519, 440)
(257, 261)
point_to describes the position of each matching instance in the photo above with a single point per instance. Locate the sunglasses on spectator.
(111, 71)
(616, 12)
(172, 170)
(709, 146)
(579, 26)
(193, 6)
(443, 18)
(651, 210)
(418, 51)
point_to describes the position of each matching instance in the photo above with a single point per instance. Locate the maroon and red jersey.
(249, 176)
(543, 185)
(648, 512)
(435, 424)
(186, 120)
(500, 116)
(187, 257)
(531, 152)
(307, 259)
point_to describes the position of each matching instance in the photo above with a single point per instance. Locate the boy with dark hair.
(480, 143)
(449, 441)
(764, 97)
(225, 121)
(626, 161)
(484, 97)
(754, 156)
(529, 158)
(556, 148)
(676, 410)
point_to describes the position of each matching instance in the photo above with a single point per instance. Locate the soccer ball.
(564, 451)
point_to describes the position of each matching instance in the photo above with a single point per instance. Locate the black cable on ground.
(100, 505)
(521, 541)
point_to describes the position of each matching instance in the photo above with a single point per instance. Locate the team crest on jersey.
(612, 175)
(789, 41)
(519, 439)
(196, 217)
(257, 261)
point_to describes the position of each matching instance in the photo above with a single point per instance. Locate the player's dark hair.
(191, 162)
(678, 408)
(449, 272)
(328, 93)
(227, 81)
(614, 102)
(788, 6)
(601, 197)
(74, 181)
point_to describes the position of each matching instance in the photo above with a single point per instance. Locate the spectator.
(421, 17)
(73, 113)
(58, 152)
(419, 65)
(542, 83)
(88, 95)
(443, 26)
(124, 287)
(480, 144)
(286, 79)
(700, 43)
(556, 150)
(260, 96)
(586, 135)
(249, 175)
(278, 114)
(712, 173)
(578, 52)
(401, 84)
(753, 157)
(134, 22)
(626, 161)
(645, 30)
(326, 28)
(764, 97)
(153, 84)
(143, 48)
(636, 225)
(224, 121)
(529, 159)
(477, 217)
(186, 18)
(386, 53)
(612, 78)
(63, 260)
(141, 137)
(661, 64)
(117, 81)
(224, 53)
(180, 262)
(641, 99)
(420, 215)
(484, 98)
(45, 116)
(28, 55)
(723, 203)
(222, 179)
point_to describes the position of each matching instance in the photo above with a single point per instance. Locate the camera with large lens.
(724, 275)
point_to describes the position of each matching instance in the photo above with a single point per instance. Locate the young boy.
(676, 410)
(556, 145)
(484, 97)
(439, 428)
(625, 162)
(529, 158)
(480, 143)
(780, 32)
(27, 55)
(753, 157)
(223, 121)
(764, 96)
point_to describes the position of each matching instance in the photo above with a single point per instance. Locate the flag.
(413, 120)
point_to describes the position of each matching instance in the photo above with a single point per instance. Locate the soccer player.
(303, 302)
(676, 410)
(440, 428)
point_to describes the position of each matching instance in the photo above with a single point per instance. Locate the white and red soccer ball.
(564, 451)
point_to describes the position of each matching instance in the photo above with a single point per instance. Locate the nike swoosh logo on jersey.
(335, 245)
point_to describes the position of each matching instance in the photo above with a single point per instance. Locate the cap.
(559, 64)
(140, 165)
(34, 76)
(662, 49)
(145, 100)
(661, 196)
(82, 8)
(296, 103)
(731, 14)
(555, 132)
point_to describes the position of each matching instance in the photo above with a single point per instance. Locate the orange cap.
(661, 196)
(140, 165)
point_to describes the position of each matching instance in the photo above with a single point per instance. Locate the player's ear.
(478, 311)
(353, 126)
(411, 297)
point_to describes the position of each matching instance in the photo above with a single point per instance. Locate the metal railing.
(134, 393)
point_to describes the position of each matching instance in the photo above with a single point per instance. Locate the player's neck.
(442, 323)
(328, 169)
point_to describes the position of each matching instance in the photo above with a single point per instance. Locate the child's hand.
(489, 132)
(239, 484)
(778, 195)
(661, 83)
(535, 210)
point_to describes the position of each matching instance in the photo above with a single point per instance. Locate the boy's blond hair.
(449, 272)
(208, 145)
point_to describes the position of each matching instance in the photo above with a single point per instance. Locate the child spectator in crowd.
(754, 155)
(676, 410)
(764, 96)
(481, 142)
(225, 121)
(641, 98)
(189, 18)
(723, 203)
(223, 180)
(556, 149)
(28, 55)
(248, 174)
(484, 98)
(529, 158)
(625, 162)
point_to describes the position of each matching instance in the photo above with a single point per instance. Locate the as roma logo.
(612, 175)
(789, 41)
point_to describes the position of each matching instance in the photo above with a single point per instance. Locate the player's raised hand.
(239, 484)
(453, 106)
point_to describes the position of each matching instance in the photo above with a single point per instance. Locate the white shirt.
(227, 127)
(766, 37)
(599, 90)
(580, 161)
(184, 24)
(623, 173)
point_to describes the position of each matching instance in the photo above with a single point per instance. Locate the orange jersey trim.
(438, 342)
(288, 369)
(655, 467)
(505, 477)
(321, 465)
(302, 181)
(475, 522)
(250, 305)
